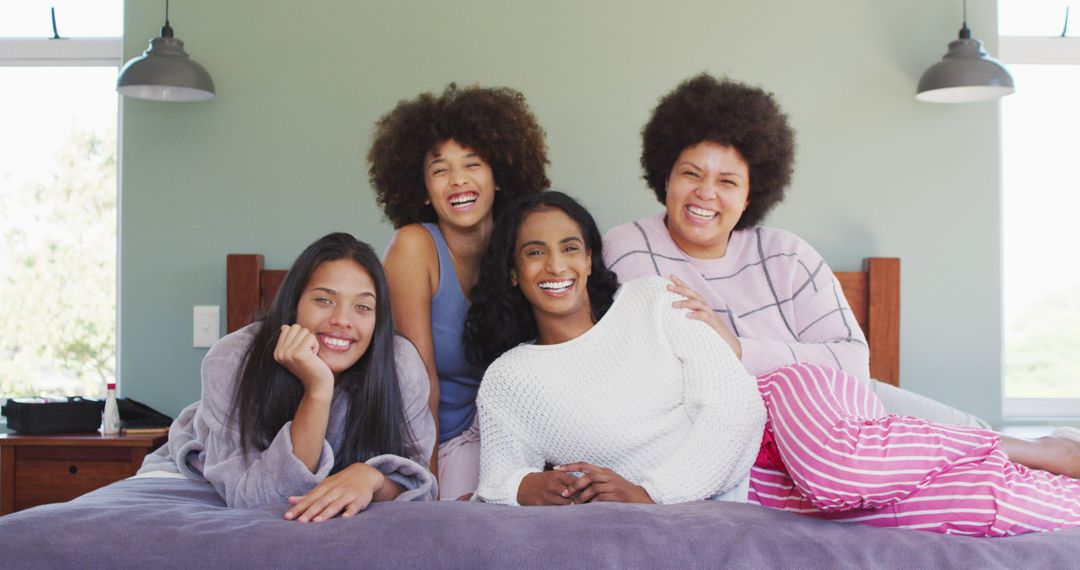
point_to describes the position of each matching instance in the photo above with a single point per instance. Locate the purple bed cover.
(178, 523)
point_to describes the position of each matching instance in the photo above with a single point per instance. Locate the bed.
(176, 522)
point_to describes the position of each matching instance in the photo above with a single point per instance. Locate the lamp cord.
(1065, 30)
(55, 34)
(166, 30)
(965, 32)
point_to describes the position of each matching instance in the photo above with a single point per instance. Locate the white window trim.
(1049, 51)
(1028, 49)
(1041, 408)
(90, 52)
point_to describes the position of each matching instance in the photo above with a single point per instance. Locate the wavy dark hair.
(267, 394)
(495, 122)
(748, 119)
(500, 317)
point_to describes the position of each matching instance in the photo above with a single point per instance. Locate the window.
(1041, 196)
(58, 197)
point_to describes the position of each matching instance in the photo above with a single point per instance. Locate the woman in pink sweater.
(719, 155)
(647, 406)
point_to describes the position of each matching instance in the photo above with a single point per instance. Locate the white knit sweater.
(647, 392)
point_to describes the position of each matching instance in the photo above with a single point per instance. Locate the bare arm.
(412, 272)
(308, 430)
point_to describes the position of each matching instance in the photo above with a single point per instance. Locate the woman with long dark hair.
(505, 318)
(633, 402)
(318, 404)
(546, 300)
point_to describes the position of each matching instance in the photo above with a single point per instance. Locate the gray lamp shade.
(164, 72)
(966, 74)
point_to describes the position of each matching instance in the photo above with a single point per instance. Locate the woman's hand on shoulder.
(701, 311)
(546, 488)
(602, 484)
(345, 493)
(298, 351)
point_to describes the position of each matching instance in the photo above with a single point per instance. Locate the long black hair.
(267, 394)
(500, 317)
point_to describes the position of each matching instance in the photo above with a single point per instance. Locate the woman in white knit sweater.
(638, 427)
(633, 402)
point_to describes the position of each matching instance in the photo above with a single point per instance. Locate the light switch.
(207, 325)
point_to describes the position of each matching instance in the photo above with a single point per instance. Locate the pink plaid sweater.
(773, 290)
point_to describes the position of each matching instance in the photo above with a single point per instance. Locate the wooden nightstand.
(40, 469)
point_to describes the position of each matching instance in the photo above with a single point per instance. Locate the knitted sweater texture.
(771, 288)
(655, 396)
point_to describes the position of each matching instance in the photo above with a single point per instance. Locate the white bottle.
(110, 418)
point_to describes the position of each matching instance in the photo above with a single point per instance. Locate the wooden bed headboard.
(874, 296)
(873, 293)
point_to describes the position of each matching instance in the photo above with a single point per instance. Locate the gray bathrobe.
(204, 443)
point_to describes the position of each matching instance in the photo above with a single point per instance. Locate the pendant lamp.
(966, 74)
(164, 72)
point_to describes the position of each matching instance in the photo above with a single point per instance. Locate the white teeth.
(335, 342)
(701, 212)
(556, 285)
(459, 200)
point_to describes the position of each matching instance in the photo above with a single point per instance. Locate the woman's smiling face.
(551, 267)
(460, 185)
(707, 192)
(338, 307)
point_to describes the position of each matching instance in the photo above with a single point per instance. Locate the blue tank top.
(459, 379)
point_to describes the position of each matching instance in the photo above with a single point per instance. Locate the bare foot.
(1056, 454)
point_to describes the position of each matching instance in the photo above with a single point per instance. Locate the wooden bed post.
(883, 276)
(242, 301)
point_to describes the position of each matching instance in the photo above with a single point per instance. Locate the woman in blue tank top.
(441, 166)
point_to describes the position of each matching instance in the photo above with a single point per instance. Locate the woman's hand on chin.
(345, 493)
(701, 311)
(298, 351)
(603, 484)
(546, 488)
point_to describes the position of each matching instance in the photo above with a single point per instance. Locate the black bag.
(137, 415)
(36, 415)
(77, 414)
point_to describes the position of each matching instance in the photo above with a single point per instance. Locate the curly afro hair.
(729, 113)
(494, 122)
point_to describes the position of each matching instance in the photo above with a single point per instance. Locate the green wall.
(278, 158)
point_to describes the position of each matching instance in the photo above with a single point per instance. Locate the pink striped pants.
(830, 451)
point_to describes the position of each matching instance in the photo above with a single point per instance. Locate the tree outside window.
(58, 197)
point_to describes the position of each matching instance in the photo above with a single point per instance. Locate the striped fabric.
(831, 451)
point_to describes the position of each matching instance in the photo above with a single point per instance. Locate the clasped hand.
(560, 487)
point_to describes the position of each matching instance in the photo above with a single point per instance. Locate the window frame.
(68, 52)
(73, 52)
(1031, 50)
